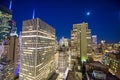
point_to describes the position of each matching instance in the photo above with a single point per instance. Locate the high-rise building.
(94, 41)
(5, 17)
(9, 56)
(11, 48)
(81, 41)
(38, 45)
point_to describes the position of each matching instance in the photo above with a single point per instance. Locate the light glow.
(33, 14)
(88, 13)
(39, 36)
(10, 5)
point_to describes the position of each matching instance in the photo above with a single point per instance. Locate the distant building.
(5, 27)
(81, 41)
(94, 41)
(119, 44)
(38, 45)
(64, 41)
(103, 42)
(97, 54)
(97, 57)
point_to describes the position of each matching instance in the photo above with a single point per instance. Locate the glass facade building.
(38, 45)
(5, 17)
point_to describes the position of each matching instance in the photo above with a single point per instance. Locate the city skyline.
(105, 15)
(36, 54)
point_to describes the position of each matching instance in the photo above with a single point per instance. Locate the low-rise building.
(99, 75)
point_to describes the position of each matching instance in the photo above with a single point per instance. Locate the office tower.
(11, 48)
(38, 45)
(94, 41)
(5, 17)
(9, 57)
(81, 41)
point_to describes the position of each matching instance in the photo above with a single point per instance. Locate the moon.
(88, 13)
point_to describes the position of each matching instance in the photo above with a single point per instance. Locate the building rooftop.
(38, 21)
(54, 76)
(5, 9)
(98, 64)
(114, 55)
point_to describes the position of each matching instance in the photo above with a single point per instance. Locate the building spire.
(10, 6)
(33, 13)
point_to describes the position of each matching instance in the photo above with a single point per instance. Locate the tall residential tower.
(81, 41)
(38, 45)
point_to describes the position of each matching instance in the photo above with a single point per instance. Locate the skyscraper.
(10, 55)
(38, 43)
(94, 41)
(5, 17)
(11, 48)
(81, 40)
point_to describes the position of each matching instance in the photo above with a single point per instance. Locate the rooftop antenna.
(10, 4)
(33, 13)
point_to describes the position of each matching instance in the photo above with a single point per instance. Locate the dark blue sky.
(104, 18)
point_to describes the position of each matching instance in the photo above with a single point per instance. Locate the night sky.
(103, 16)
